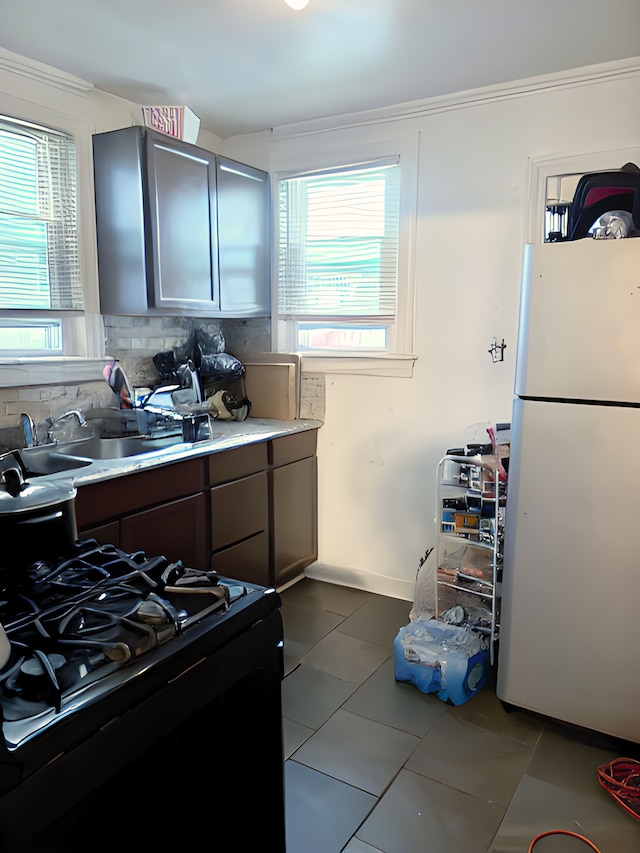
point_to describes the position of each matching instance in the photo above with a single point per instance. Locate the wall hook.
(496, 350)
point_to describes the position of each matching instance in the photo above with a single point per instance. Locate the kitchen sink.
(40, 461)
(71, 455)
(118, 447)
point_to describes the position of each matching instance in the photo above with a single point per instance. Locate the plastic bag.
(431, 642)
(219, 366)
(167, 366)
(613, 225)
(424, 598)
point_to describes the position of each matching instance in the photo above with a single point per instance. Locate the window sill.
(400, 366)
(17, 372)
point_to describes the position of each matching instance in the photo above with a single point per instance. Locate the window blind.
(338, 243)
(39, 261)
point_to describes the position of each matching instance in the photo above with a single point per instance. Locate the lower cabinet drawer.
(239, 510)
(99, 502)
(246, 561)
(238, 462)
(289, 448)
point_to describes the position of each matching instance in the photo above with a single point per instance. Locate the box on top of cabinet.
(178, 122)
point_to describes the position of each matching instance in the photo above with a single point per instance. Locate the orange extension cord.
(562, 832)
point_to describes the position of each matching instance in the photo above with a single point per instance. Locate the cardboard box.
(272, 390)
(281, 358)
(178, 122)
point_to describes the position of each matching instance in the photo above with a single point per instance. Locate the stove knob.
(235, 591)
(33, 679)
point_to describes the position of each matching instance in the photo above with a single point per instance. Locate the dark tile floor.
(375, 765)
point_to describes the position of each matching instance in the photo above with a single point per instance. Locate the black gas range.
(128, 680)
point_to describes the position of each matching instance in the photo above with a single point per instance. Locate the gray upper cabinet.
(244, 238)
(179, 230)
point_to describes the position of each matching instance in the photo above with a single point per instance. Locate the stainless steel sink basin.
(40, 461)
(79, 453)
(119, 447)
(71, 455)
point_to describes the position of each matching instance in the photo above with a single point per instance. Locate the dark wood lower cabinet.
(239, 513)
(249, 512)
(294, 504)
(161, 511)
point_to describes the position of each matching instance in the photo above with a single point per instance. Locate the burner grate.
(98, 608)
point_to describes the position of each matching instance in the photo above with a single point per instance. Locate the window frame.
(84, 335)
(541, 169)
(297, 156)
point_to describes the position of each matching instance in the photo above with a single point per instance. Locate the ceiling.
(249, 65)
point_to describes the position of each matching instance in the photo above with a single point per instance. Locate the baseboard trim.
(360, 579)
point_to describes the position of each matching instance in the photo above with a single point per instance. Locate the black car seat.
(600, 192)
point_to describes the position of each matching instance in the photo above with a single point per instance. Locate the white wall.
(382, 437)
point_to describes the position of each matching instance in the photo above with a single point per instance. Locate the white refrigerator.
(570, 615)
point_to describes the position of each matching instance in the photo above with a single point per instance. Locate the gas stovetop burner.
(106, 580)
(74, 621)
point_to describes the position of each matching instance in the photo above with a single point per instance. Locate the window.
(338, 239)
(39, 260)
(24, 335)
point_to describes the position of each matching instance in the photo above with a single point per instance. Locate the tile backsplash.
(134, 341)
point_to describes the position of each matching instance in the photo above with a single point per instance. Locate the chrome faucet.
(29, 433)
(72, 413)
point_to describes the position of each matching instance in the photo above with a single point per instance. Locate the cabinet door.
(176, 530)
(243, 239)
(182, 216)
(295, 529)
(121, 221)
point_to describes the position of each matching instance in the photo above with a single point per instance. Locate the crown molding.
(470, 97)
(41, 73)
